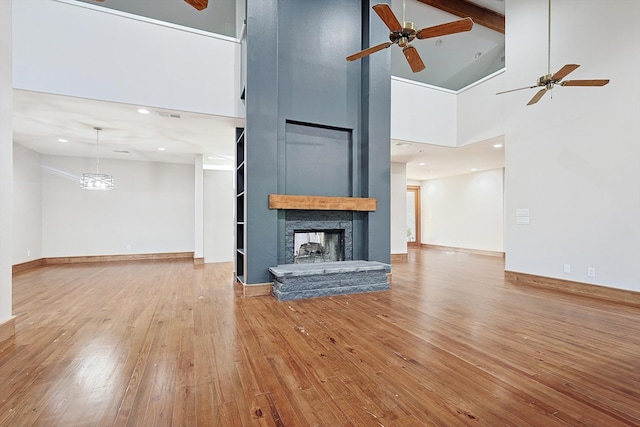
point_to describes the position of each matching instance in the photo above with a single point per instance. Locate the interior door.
(413, 216)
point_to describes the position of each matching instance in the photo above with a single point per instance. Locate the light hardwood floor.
(159, 343)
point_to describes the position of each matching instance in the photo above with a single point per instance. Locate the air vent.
(170, 115)
(121, 151)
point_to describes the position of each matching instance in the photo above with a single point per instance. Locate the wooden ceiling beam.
(463, 8)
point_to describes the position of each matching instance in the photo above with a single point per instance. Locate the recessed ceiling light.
(497, 145)
(473, 169)
(422, 163)
(143, 111)
(161, 148)
(62, 140)
(424, 177)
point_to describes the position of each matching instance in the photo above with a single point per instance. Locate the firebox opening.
(312, 246)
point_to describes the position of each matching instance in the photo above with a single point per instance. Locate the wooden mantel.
(322, 203)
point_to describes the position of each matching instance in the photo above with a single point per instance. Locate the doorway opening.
(413, 216)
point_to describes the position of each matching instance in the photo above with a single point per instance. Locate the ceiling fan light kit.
(548, 81)
(404, 33)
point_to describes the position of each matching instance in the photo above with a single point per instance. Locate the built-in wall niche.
(318, 160)
(240, 262)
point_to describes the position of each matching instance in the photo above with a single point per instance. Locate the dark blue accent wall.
(316, 124)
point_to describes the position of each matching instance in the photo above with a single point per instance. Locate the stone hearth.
(298, 281)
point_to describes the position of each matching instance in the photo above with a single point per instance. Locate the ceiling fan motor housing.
(545, 80)
(404, 36)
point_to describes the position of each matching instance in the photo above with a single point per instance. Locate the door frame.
(416, 190)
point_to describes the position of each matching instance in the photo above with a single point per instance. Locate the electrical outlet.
(28, 252)
(128, 247)
(567, 268)
(591, 272)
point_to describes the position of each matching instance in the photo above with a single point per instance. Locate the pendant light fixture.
(97, 181)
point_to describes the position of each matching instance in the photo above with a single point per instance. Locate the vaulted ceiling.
(42, 119)
(458, 60)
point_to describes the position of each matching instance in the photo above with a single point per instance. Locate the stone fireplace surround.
(315, 213)
(315, 220)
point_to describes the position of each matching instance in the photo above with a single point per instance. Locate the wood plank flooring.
(167, 343)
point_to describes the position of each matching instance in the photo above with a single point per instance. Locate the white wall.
(68, 48)
(421, 113)
(6, 161)
(398, 208)
(27, 205)
(480, 112)
(219, 205)
(151, 209)
(198, 209)
(573, 160)
(464, 211)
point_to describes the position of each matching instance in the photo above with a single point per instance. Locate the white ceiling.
(41, 120)
(426, 161)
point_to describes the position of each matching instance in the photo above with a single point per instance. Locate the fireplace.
(318, 246)
(313, 236)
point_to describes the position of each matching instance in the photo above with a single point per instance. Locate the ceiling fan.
(403, 33)
(198, 4)
(548, 81)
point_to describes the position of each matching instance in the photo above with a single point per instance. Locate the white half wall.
(398, 208)
(464, 211)
(151, 209)
(77, 49)
(573, 159)
(422, 113)
(27, 205)
(480, 112)
(219, 204)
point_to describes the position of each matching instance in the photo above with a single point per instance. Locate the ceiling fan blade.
(562, 72)
(413, 58)
(368, 51)
(596, 82)
(198, 4)
(386, 14)
(460, 26)
(537, 96)
(513, 90)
